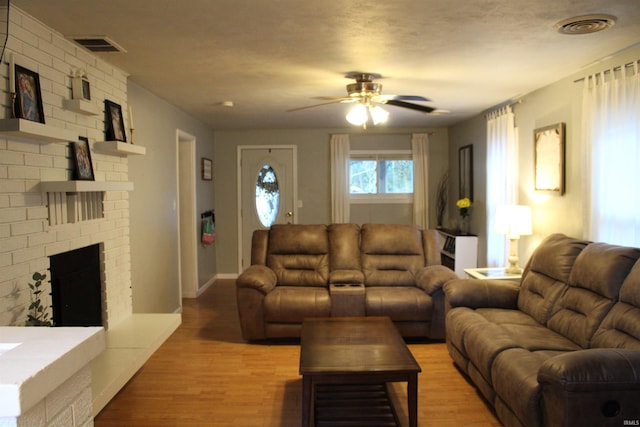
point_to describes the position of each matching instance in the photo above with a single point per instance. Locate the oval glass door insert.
(267, 196)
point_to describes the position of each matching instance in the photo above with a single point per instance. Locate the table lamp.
(514, 221)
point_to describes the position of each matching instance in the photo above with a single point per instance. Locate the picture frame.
(81, 88)
(207, 169)
(28, 102)
(81, 154)
(465, 172)
(549, 159)
(114, 123)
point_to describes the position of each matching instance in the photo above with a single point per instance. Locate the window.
(383, 176)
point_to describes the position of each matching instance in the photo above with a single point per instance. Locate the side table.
(491, 273)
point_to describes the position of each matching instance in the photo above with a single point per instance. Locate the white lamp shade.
(513, 220)
(378, 114)
(358, 115)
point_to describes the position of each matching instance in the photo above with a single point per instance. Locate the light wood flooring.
(206, 375)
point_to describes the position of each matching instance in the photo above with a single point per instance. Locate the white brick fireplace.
(29, 163)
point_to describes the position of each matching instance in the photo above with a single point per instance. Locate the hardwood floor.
(206, 375)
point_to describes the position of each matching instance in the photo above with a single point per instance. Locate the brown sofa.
(562, 348)
(316, 270)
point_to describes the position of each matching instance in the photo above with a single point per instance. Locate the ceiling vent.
(585, 24)
(98, 44)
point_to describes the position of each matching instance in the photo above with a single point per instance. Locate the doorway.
(270, 170)
(186, 215)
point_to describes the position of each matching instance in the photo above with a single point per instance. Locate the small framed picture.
(82, 160)
(207, 166)
(114, 124)
(549, 163)
(80, 88)
(28, 103)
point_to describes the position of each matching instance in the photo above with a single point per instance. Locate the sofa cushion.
(621, 327)
(594, 285)
(298, 254)
(400, 303)
(291, 304)
(546, 274)
(392, 254)
(344, 247)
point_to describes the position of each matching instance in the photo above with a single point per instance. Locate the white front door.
(267, 192)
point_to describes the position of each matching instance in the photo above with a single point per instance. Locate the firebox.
(76, 287)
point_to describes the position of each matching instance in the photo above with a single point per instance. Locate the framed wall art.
(114, 124)
(207, 166)
(81, 155)
(549, 159)
(28, 102)
(465, 170)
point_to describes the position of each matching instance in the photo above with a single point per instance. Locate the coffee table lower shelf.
(354, 405)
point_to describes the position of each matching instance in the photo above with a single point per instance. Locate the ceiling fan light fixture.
(378, 114)
(358, 115)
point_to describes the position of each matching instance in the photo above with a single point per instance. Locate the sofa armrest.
(346, 277)
(257, 277)
(474, 293)
(432, 278)
(591, 387)
(593, 369)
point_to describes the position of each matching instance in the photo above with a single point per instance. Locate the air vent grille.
(99, 44)
(586, 24)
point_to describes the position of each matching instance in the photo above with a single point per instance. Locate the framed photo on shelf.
(114, 124)
(81, 88)
(81, 155)
(549, 160)
(28, 104)
(207, 166)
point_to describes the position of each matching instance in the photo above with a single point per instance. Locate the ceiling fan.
(365, 93)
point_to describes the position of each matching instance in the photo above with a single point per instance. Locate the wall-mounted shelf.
(119, 148)
(83, 186)
(81, 106)
(35, 132)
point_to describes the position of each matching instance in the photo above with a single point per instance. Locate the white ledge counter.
(36, 361)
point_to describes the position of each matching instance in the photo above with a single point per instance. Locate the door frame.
(294, 195)
(186, 215)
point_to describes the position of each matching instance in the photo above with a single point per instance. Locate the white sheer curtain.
(420, 152)
(340, 212)
(611, 144)
(502, 178)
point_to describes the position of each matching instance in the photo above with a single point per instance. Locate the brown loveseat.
(563, 347)
(303, 271)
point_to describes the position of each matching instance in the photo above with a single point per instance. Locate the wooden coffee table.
(355, 350)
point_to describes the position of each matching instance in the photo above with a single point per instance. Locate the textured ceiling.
(269, 56)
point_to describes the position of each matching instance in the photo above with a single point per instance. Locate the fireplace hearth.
(76, 285)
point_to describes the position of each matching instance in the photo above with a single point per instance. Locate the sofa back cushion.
(546, 274)
(299, 254)
(593, 288)
(344, 247)
(621, 327)
(391, 254)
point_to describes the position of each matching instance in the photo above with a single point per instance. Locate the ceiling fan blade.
(423, 108)
(315, 105)
(339, 98)
(405, 98)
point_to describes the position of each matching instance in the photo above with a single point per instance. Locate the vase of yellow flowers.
(464, 205)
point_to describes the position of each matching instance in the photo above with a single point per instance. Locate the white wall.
(154, 243)
(26, 238)
(557, 102)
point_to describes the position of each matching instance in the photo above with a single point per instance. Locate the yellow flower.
(463, 203)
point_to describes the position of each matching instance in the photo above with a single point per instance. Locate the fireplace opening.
(76, 287)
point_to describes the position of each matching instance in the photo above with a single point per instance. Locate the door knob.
(289, 214)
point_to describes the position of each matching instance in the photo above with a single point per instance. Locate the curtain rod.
(509, 103)
(608, 70)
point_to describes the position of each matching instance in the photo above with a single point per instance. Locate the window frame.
(379, 198)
